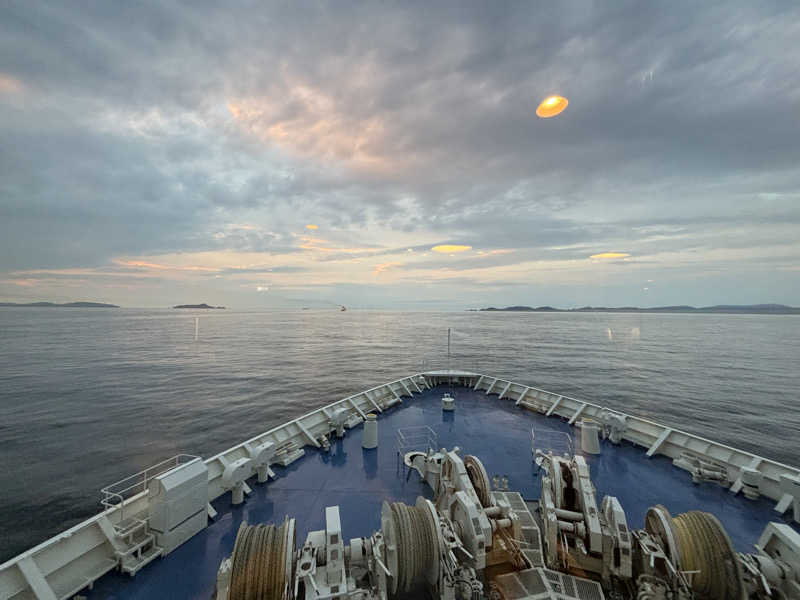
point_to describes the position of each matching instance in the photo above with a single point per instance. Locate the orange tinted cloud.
(141, 264)
(20, 282)
(9, 85)
(148, 265)
(308, 242)
(382, 267)
(316, 126)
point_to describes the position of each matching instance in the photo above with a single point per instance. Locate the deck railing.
(115, 495)
(551, 441)
(75, 547)
(421, 438)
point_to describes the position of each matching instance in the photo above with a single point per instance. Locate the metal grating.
(588, 590)
(525, 519)
(569, 586)
(538, 582)
(533, 556)
(543, 584)
(531, 544)
(516, 501)
(511, 587)
(532, 580)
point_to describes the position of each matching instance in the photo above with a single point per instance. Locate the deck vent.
(370, 432)
(448, 403)
(790, 488)
(590, 436)
(751, 482)
(178, 500)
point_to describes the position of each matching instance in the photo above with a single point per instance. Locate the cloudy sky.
(260, 154)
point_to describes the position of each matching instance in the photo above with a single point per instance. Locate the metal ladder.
(137, 546)
(133, 544)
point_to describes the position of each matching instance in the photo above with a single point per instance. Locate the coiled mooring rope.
(259, 562)
(706, 548)
(480, 480)
(417, 544)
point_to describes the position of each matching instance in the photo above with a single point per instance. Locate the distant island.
(65, 305)
(204, 305)
(748, 309)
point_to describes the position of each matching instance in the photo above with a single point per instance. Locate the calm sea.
(88, 396)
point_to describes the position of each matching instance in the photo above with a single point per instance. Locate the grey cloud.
(681, 114)
(265, 270)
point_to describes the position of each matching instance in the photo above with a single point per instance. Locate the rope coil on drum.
(705, 547)
(417, 541)
(479, 479)
(696, 543)
(259, 562)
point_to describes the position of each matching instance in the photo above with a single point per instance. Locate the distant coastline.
(203, 306)
(731, 309)
(56, 305)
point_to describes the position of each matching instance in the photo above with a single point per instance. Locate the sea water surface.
(89, 396)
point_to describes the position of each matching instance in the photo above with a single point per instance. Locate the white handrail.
(114, 495)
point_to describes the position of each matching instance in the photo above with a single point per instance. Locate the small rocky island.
(749, 309)
(203, 306)
(64, 305)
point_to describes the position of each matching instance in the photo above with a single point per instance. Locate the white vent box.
(178, 500)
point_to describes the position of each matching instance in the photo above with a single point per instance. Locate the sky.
(388, 155)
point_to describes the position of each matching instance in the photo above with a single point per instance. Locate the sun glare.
(610, 255)
(552, 106)
(450, 248)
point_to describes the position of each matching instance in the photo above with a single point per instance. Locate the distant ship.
(342, 308)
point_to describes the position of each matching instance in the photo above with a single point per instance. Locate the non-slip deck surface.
(360, 480)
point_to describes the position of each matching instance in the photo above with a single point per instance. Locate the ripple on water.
(90, 396)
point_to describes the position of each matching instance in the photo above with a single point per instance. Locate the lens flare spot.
(606, 255)
(552, 106)
(450, 248)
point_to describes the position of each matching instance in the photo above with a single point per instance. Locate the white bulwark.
(165, 507)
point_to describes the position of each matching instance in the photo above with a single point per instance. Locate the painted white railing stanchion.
(659, 441)
(577, 413)
(554, 406)
(79, 546)
(522, 396)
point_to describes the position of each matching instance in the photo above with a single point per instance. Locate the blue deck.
(360, 480)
